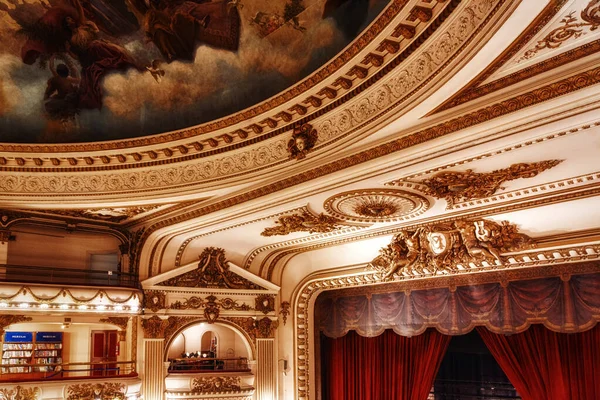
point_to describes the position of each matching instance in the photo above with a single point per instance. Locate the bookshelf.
(17, 350)
(47, 350)
(22, 348)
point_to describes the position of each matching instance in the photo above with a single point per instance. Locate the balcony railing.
(200, 364)
(36, 372)
(29, 274)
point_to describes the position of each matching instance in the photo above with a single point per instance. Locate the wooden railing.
(71, 276)
(201, 364)
(113, 369)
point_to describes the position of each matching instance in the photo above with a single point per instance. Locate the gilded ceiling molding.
(112, 215)
(589, 180)
(212, 272)
(572, 83)
(371, 34)
(476, 89)
(269, 264)
(189, 240)
(473, 19)
(461, 186)
(106, 390)
(21, 393)
(304, 328)
(564, 86)
(303, 222)
(376, 205)
(449, 247)
(570, 28)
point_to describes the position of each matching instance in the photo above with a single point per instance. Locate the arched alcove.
(200, 338)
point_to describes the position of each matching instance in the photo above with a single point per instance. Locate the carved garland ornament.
(303, 222)
(459, 186)
(93, 391)
(446, 246)
(20, 393)
(216, 384)
(285, 311)
(195, 303)
(570, 29)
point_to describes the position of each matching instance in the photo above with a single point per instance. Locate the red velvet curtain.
(542, 364)
(385, 367)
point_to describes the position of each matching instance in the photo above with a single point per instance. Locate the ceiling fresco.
(94, 70)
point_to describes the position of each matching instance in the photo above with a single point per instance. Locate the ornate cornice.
(427, 65)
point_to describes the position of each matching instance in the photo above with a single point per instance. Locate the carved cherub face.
(300, 143)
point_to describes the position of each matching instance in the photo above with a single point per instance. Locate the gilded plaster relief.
(111, 391)
(21, 393)
(304, 221)
(376, 205)
(473, 16)
(303, 140)
(571, 27)
(461, 186)
(212, 272)
(446, 247)
(216, 384)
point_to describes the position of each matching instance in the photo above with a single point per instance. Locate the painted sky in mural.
(91, 70)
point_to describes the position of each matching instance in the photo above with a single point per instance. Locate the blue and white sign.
(48, 337)
(18, 337)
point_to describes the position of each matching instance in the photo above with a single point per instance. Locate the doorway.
(105, 349)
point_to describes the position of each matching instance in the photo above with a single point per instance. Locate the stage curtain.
(385, 367)
(562, 304)
(542, 364)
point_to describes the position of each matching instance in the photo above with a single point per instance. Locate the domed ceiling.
(95, 70)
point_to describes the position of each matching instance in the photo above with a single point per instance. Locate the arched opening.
(203, 347)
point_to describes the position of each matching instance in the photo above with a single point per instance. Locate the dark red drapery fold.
(542, 364)
(386, 367)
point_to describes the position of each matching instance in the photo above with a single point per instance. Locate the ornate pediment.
(212, 272)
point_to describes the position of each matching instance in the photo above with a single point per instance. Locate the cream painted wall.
(59, 249)
(189, 341)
